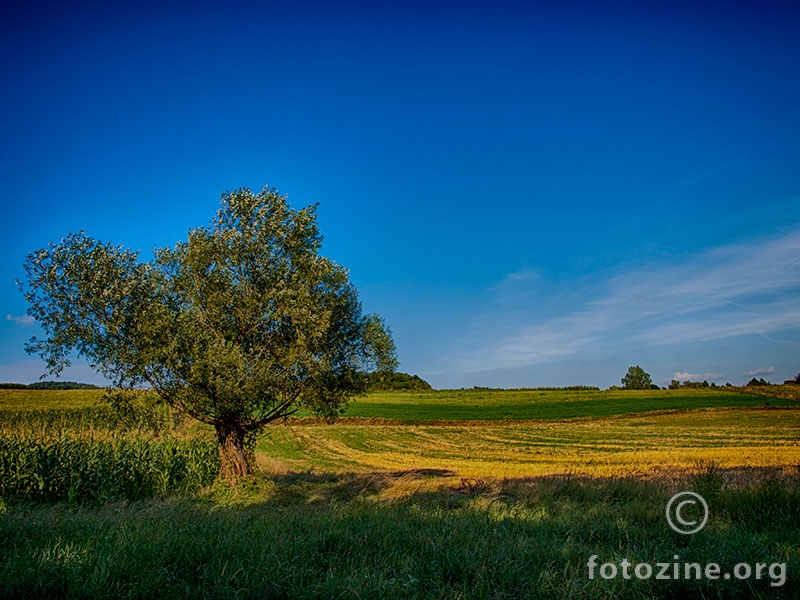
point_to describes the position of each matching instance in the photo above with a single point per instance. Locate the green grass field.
(48, 399)
(447, 494)
(465, 405)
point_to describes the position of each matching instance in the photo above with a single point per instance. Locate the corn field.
(99, 454)
(76, 470)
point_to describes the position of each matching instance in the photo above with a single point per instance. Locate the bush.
(383, 382)
(675, 384)
(795, 381)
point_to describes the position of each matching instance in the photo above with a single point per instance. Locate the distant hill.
(50, 385)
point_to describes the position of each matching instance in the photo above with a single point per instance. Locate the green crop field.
(493, 405)
(48, 399)
(444, 494)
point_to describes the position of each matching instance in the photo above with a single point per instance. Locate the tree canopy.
(381, 382)
(636, 379)
(239, 326)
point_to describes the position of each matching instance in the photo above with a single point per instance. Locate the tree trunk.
(235, 461)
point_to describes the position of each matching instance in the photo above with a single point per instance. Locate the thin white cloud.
(735, 290)
(24, 320)
(761, 371)
(727, 320)
(698, 376)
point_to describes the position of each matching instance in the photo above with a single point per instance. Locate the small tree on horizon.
(795, 381)
(637, 379)
(241, 325)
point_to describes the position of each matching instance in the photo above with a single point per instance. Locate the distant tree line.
(379, 382)
(675, 384)
(567, 388)
(49, 385)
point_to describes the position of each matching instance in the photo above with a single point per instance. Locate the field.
(447, 494)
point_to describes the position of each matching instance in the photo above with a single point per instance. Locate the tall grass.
(129, 449)
(358, 536)
(99, 420)
(87, 470)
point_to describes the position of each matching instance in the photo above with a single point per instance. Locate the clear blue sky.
(531, 194)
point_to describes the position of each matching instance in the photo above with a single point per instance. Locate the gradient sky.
(531, 194)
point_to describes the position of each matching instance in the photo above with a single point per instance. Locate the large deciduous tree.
(637, 379)
(239, 326)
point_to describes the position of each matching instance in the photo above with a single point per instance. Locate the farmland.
(445, 494)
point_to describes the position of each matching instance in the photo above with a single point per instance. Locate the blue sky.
(531, 194)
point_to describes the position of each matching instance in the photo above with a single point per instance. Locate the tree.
(636, 379)
(240, 326)
(379, 382)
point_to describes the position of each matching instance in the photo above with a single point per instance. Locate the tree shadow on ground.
(445, 489)
(312, 487)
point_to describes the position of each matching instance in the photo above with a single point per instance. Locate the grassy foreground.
(404, 536)
(404, 500)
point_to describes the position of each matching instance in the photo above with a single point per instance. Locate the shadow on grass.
(636, 497)
(405, 534)
(323, 488)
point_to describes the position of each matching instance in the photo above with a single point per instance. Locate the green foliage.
(382, 382)
(50, 385)
(73, 470)
(675, 384)
(757, 382)
(25, 399)
(62, 385)
(565, 388)
(127, 447)
(242, 324)
(100, 420)
(637, 379)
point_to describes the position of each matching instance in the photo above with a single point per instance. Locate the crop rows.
(94, 420)
(138, 419)
(77, 470)
(128, 447)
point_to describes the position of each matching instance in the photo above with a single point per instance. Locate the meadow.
(445, 494)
